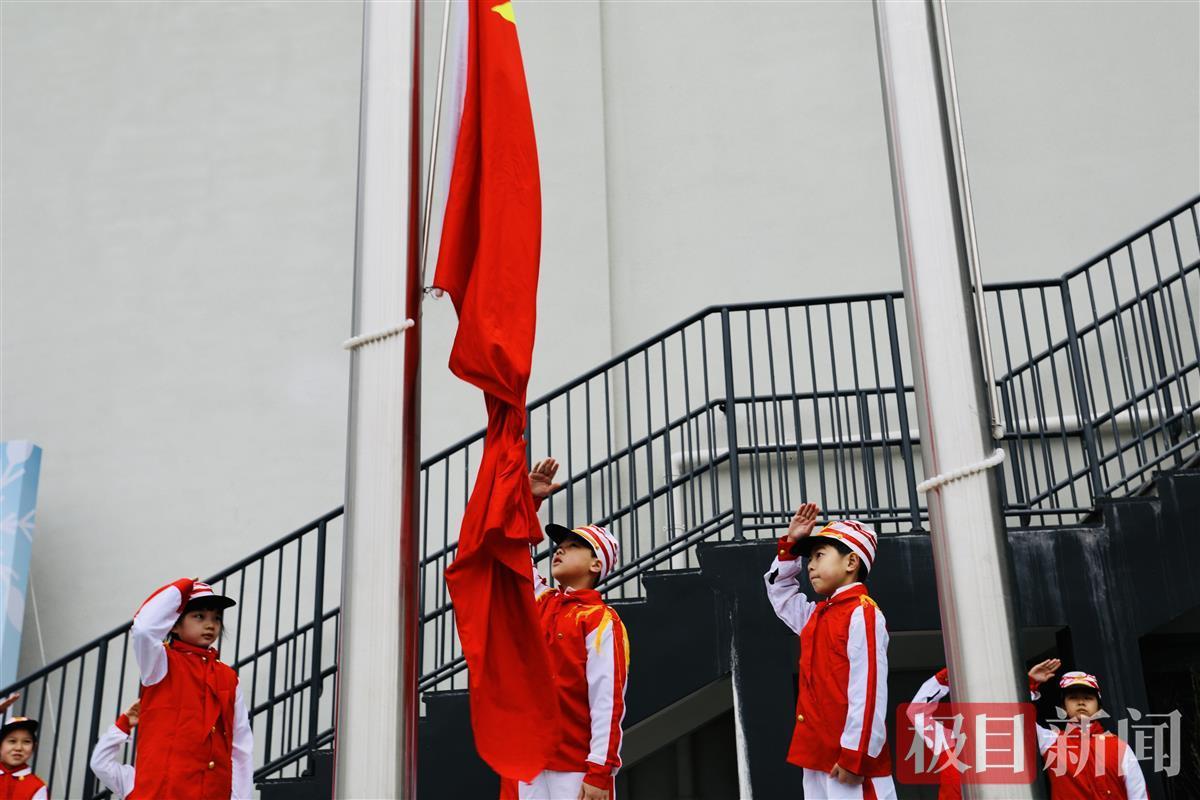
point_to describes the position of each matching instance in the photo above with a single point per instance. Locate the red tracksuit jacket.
(843, 673)
(194, 739)
(1109, 767)
(21, 784)
(589, 653)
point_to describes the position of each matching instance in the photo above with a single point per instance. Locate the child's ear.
(595, 567)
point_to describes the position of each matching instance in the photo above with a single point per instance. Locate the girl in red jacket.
(840, 738)
(1083, 760)
(195, 741)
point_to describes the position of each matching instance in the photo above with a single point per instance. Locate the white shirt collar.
(841, 589)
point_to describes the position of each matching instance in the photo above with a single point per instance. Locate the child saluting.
(840, 739)
(589, 653)
(18, 741)
(195, 741)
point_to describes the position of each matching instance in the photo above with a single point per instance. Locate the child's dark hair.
(861, 575)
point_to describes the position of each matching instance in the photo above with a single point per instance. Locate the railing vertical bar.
(867, 457)
(1150, 336)
(731, 437)
(587, 430)
(710, 423)
(1038, 404)
(1139, 438)
(669, 511)
(75, 723)
(1054, 381)
(785, 496)
(844, 500)
(906, 448)
(756, 471)
(649, 446)
(570, 463)
(635, 534)
(1108, 392)
(1089, 433)
(315, 680)
(801, 467)
(89, 780)
(881, 403)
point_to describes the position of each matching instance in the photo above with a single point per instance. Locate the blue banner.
(20, 464)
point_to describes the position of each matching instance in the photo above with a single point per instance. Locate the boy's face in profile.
(16, 749)
(828, 569)
(200, 627)
(1080, 704)
(574, 564)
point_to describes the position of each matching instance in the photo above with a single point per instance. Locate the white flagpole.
(970, 549)
(376, 752)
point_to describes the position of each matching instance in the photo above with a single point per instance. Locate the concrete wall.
(178, 198)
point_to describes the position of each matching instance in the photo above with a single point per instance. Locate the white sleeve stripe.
(1135, 781)
(856, 688)
(879, 718)
(602, 691)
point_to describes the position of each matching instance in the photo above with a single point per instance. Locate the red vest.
(185, 734)
(824, 677)
(1104, 756)
(15, 786)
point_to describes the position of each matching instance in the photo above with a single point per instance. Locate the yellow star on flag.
(506, 10)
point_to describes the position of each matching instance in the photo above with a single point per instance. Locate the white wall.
(178, 221)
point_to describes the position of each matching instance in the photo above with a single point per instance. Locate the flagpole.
(375, 752)
(434, 136)
(970, 548)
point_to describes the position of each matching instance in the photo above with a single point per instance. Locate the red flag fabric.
(488, 263)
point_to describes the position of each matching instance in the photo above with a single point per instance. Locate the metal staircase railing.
(1099, 379)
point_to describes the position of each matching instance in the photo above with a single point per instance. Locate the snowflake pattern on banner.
(20, 466)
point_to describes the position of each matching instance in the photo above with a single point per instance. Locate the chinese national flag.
(488, 263)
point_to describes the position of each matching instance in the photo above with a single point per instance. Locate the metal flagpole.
(969, 542)
(376, 752)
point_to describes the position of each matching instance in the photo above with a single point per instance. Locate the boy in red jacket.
(1083, 760)
(840, 737)
(589, 653)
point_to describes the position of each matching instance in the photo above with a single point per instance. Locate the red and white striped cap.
(1081, 679)
(850, 532)
(603, 544)
(204, 596)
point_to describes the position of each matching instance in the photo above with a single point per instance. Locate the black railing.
(714, 430)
